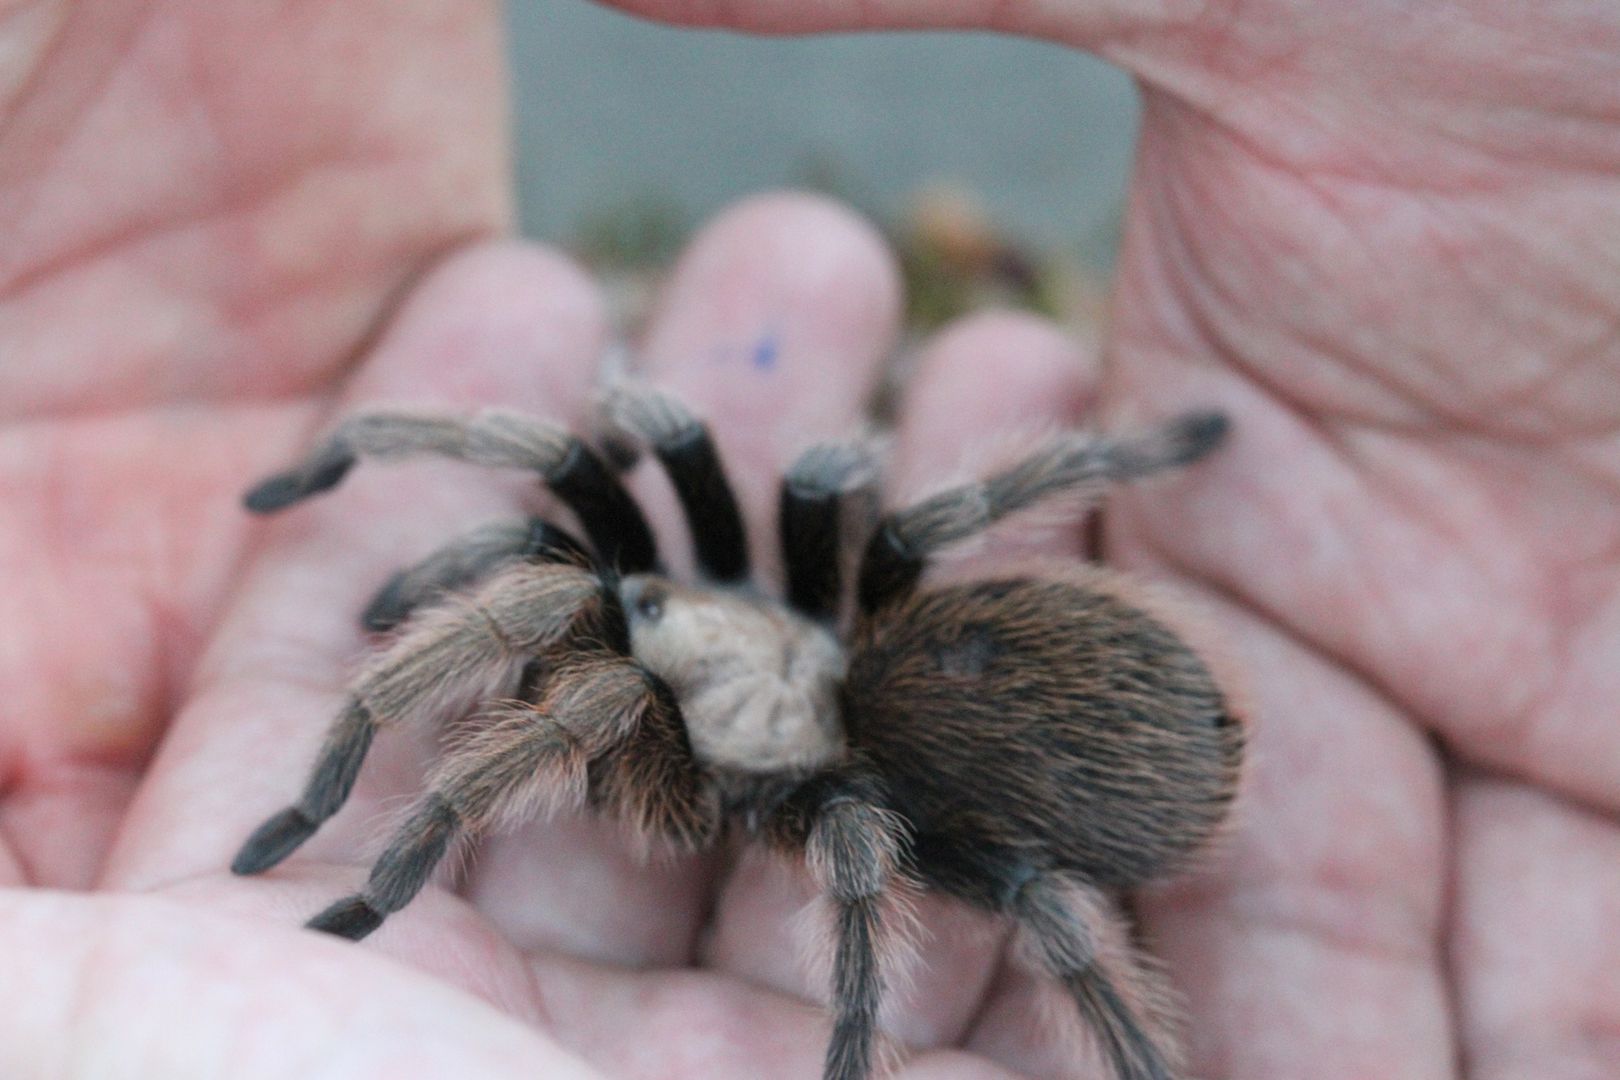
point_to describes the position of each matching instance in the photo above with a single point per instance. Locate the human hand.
(1335, 876)
(562, 929)
(185, 334)
(200, 240)
(208, 208)
(1381, 236)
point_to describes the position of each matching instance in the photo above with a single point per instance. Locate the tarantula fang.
(1029, 744)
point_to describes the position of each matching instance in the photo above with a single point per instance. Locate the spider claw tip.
(273, 841)
(285, 488)
(1197, 433)
(388, 608)
(278, 491)
(352, 918)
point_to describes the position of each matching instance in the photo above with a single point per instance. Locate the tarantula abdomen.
(1045, 720)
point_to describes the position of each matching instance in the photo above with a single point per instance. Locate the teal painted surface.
(612, 111)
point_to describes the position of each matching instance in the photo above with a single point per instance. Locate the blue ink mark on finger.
(766, 352)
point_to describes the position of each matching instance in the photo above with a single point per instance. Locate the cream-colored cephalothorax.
(758, 684)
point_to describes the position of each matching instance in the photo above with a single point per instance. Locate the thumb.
(1086, 23)
(144, 987)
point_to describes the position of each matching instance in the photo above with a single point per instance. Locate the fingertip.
(823, 233)
(983, 377)
(774, 327)
(788, 293)
(495, 322)
(515, 275)
(1010, 359)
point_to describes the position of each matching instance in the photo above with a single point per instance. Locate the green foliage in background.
(953, 257)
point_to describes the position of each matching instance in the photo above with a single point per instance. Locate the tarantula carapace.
(1029, 743)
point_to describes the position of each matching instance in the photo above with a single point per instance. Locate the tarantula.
(1028, 744)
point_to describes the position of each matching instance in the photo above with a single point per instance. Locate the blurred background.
(996, 165)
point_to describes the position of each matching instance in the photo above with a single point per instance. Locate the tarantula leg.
(854, 851)
(636, 414)
(816, 493)
(461, 653)
(611, 519)
(1055, 915)
(617, 528)
(467, 560)
(532, 757)
(1075, 465)
(653, 780)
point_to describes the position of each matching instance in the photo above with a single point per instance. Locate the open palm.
(1379, 238)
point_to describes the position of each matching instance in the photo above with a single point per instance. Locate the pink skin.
(1379, 234)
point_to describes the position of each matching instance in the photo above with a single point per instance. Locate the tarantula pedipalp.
(1025, 743)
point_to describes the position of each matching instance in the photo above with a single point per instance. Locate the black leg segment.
(399, 874)
(811, 549)
(283, 489)
(825, 488)
(327, 790)
(1075, 466)
(615, 524)
(280, 836)
(694, 468)
(467, 561)
(636, 416)
(889, 569)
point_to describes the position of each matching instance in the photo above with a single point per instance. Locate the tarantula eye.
(644, 598)
(649, 604)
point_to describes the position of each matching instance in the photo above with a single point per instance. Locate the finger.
(701, 1026)
(1536, 945)
(988, 388)
(1092, 22)
(119, 539)
(60, 823)
(1308, 940)
(772, 328)
(1463, 637)
(11, 867)
(981, 379)
(505, 325)
(141, 986)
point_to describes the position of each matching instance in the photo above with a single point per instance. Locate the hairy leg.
(470, 559)
(818, 492)
(1079, 466)
(637, 415)
(469, 652)
(532, 757)
(854, 850)
(493, 438)
(1062, 921)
